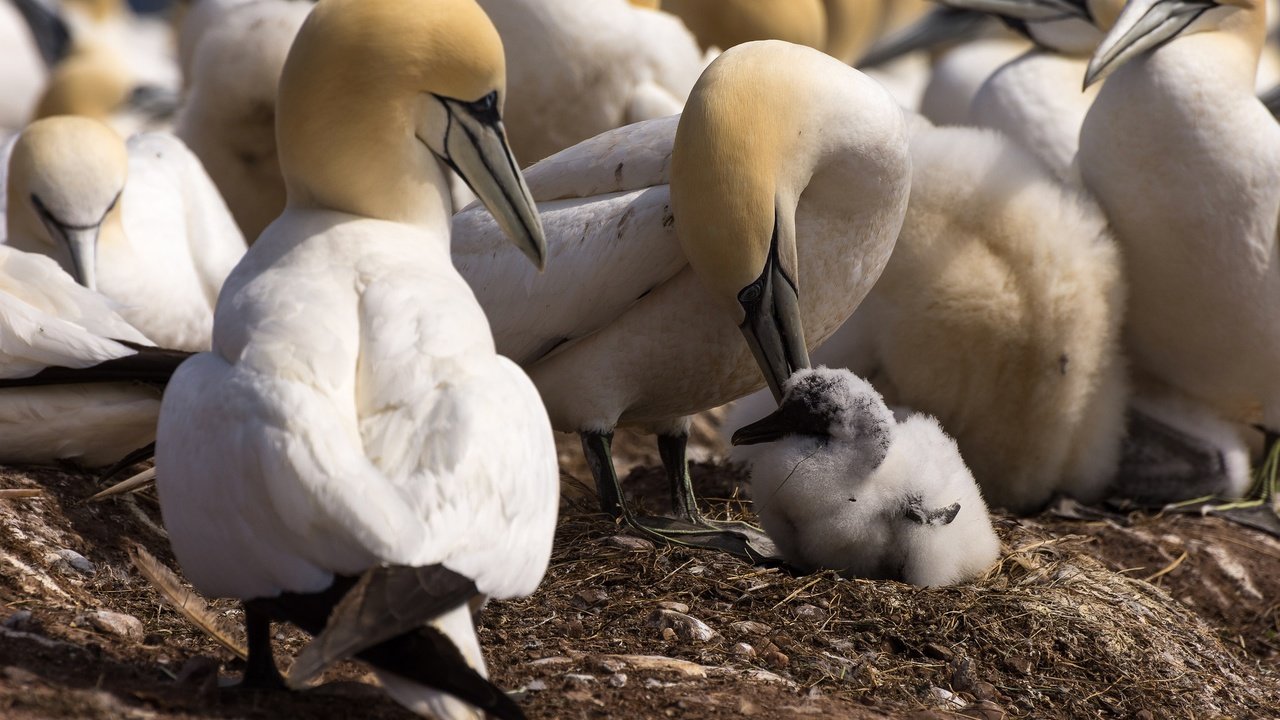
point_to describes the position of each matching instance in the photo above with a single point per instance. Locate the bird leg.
(691, 530)
(260, 671)
(1260, 507)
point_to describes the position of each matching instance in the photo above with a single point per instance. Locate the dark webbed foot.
(260, 672)
(1260, 507)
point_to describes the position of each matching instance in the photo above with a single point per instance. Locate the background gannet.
(228, 119)
(844, 486)
(578, 69)
(1186, 162)
(142, 224)
(353, 418)
(726, 23)
(92, 81)
(788, 179)
(35, 38)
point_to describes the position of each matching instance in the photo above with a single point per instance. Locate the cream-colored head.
(646, 4)
(66, 177)
(1145, 25)
(91, 82)
(762, 121)
(97, 10)
(377, 94)
(726, 23)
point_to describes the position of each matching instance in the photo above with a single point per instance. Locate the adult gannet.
(228, 119)
(48, 320)
(144, 44)
(789, 175)
(92, 81)
(1179, 111)
(159, 244)
(726, 23)
(845, 486)
(1035, 98)
(353, 415)
(578, 69)
(1000, 314)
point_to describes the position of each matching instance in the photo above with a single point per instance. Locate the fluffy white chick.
(842, 485)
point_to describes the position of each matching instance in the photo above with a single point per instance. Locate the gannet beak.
(791, 418)
(81, 244)
(940, 26)
(772, 325)
(476, 147)
(1028, 10)
(1143, 25)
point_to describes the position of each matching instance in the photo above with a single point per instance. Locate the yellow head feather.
(851, 27)
(92, 82)
(345, 116)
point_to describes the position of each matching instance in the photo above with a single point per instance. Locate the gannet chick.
(228, 119)
(788, 175)
(726, 23)
(843, 486)
(1000, 314)
(140, 223)
(352, 437)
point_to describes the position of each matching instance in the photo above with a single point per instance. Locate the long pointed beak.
(939, 27)
(789, 419)
(1143, 25)
(773, 326)
(82, 245)
(477, 149)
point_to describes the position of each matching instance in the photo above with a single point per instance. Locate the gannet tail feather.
(147, 364)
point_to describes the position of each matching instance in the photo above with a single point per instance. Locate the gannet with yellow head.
(1186, 162)
(93, 81)
(352, 426)
(788, 177)
(140, 223)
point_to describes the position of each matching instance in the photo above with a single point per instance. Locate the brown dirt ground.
(1127, 616)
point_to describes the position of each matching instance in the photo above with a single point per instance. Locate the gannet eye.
(487, 105)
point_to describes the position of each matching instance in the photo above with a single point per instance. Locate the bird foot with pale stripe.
(736, 538)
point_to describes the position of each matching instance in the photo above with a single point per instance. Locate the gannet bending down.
(353, 418)
(852, 26)
(1035, 98)
(579, 69)
(844, 486)
(789, 175)
(1204, 282)
(999, 314)
(48, 320)
(142, 224)
(726, 23)
(228, 119)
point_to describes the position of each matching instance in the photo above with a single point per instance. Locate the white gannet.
(92, 81)
(48, 320)
(228, 119)
(726, 23)
(141, 224)
(789, 174)
(143, 43)
(1035, 98)
(844, 486)
(353, 418)
(578, 69)
(198, 17)
(1000, 314)
(1185, 161)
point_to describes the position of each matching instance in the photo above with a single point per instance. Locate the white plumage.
(844, 486)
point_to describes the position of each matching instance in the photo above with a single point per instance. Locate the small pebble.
(591, 597)
(536, 685)
(626, 542)
(668, 635)
(776, 659)
(618, 680)
(20, 620)
(674, 606)
(126, 626)
(606, 664)
(579, 679)
(744, 650)
(686, 627)
(77, 561)
(810, 613)
(750, 627)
